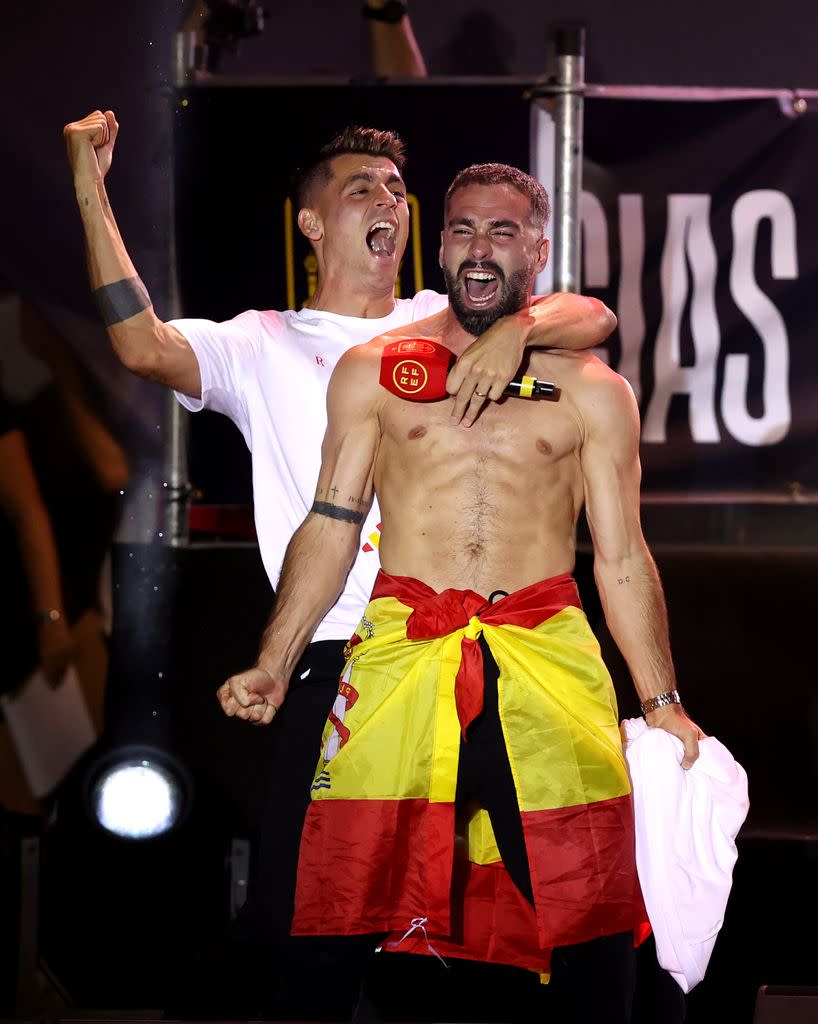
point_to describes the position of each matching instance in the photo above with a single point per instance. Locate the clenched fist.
(254, 695)
(90, 145)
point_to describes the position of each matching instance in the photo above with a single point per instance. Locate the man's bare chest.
(511, 430)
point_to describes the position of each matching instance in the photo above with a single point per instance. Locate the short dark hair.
(503, 174)
(315, 170)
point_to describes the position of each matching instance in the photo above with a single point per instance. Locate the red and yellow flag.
(379, 848)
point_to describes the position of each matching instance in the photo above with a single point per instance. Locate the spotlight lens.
(137, 800)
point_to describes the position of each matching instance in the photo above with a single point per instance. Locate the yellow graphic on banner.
(305, 278)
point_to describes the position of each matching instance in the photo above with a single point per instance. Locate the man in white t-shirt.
(268, 371)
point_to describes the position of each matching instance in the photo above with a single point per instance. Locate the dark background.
(59, 61)
(117, 922)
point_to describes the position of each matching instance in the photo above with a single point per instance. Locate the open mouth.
(382, 238)
(480, 286)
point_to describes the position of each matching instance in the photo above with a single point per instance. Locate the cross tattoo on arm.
(333, 491)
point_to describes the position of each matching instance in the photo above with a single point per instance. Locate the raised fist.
(90, 144)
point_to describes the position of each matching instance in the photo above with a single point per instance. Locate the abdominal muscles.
(478, 519)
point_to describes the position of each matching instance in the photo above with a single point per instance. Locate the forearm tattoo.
(121, 300)
(345, 515)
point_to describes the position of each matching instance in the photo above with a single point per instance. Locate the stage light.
(138, 793)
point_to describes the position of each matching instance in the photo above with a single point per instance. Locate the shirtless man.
(452, 699)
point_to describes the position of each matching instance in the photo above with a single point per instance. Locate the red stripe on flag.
(491, 921)
(373, 865)
(584, 879)
(583, 871)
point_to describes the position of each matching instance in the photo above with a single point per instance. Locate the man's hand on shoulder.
(483, 371)
(561, 322)
(90, 145)
(674, 719)
(254, 695)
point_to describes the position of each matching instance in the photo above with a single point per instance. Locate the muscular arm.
(143, 343)
(394, 48)
(625, 572)
(561, 320)
(323, 548)
(564, 320)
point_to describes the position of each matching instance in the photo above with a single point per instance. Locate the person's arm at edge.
(144, 344)
(323, 548)
(625, 572)
(22, 502)
(395, 51)
(563, 320)
(97, 445)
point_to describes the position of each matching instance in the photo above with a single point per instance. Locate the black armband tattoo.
(121, 300)
(346, 515)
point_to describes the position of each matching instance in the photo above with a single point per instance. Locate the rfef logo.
(410, 376)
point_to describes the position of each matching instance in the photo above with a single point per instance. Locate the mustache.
(481, 265)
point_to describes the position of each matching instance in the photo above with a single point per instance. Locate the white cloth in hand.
(686, 825)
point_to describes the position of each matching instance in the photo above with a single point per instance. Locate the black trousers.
(238, 972)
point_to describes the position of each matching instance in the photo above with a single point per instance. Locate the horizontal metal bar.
(694, 93)
(534, 85)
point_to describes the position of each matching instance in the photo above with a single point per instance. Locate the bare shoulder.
(603, 398)
(355, 382)
(359, 362)
(601, 382)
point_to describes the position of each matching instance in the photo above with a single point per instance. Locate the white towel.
(686, 825)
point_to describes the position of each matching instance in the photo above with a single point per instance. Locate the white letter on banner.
(688, 236)
(629, 306)
(775, 421)
(596, 266)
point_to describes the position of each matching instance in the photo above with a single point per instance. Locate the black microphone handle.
(529, 387)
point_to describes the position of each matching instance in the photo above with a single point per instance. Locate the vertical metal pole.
(177, 491)
(177, 484)
(570, 73)
(27, 989)
(39, 993)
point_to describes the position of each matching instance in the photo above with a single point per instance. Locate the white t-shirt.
(269, 373)
(686, 825)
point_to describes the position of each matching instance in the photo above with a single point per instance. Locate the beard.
(514, 292)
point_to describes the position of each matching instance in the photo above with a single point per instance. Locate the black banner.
(699, 225)
(699, 228)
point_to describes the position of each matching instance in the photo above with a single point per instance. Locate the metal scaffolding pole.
(569, 89)
(177, 485)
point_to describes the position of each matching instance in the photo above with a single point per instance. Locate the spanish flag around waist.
(378, 850)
